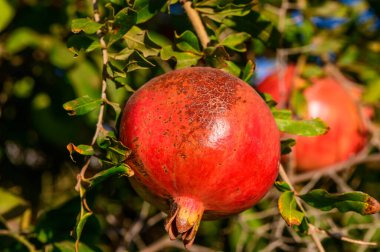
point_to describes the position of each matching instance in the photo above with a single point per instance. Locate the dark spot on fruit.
(165, 169)
(183, 155)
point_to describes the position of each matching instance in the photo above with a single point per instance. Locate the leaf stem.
(196, 21)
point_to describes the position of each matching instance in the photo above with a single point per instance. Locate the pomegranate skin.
(328, 100)
(202, 141)
(270, 84)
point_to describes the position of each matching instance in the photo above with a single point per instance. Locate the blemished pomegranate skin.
(338, 108)
(205, 145)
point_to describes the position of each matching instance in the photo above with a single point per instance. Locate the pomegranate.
(328, 100)
(205, 145)
(271, 85)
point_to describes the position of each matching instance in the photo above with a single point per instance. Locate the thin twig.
(99, 124)
(358, 159)
(312, 232)
(359, 242)
(138, 225)
(350, 240)
(196, 22)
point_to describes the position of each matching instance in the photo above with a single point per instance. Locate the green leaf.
(158, 39)
(124, 82)
(220, 12)
(85, 80)
(298, 103)
(232, 68)
(86, 25)
(104, 138)
(124, 20)
(184, 59)
(313, 127)
(120, 170)
(138, 40)
(116, 108)
(82, 105)
(80, 225)
(69, 246)
(84, 42)
(137, 61)
(372, 91)
(248, 71)
(146, 9)
(285, 123)
(312, 71)
(51, 226)
(7, 13)
(282, 186)
(287, 207)
(11, 205)
(188, 42)
(117, 152)
(270, 102)
(216, 56)
(282, 113)
(121, 55)
(21, 38)
(356, 201)
(257, 26)
(286, 146)
(85, 150)
(235, 41)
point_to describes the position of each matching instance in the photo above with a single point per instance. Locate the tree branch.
(99, 124)
(196, 21)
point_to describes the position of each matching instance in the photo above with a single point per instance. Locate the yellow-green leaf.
(86, 25)
(287, 207)
(356, 201)
(82, 105)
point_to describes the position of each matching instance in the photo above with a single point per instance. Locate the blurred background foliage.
(38, 73)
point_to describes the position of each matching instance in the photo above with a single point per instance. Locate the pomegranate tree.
(335, 105)
(205, 145)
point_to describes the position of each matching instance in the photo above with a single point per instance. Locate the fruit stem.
(183, 219)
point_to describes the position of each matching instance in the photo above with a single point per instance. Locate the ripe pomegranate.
(271, 85)
(204, 144)
(328, 100)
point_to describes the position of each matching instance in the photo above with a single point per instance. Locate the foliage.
(51, 96)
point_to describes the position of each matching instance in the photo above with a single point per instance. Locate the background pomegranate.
(328, 100)
(204, 144)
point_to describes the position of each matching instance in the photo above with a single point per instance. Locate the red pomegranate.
(205, 145)
(271, 83)
(328, 100)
